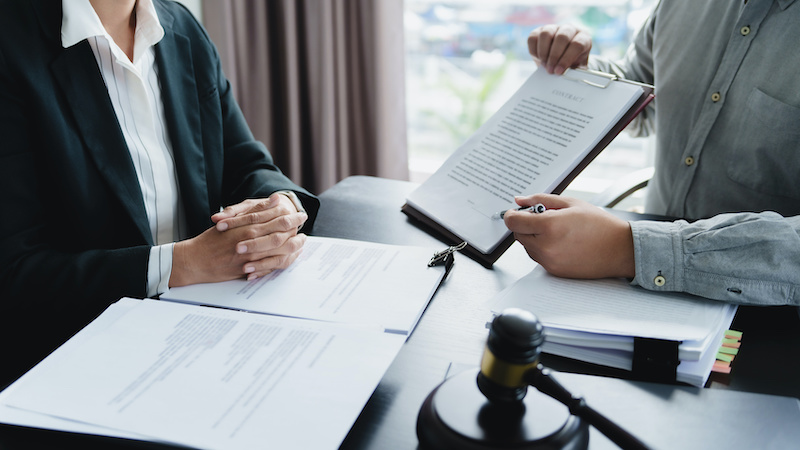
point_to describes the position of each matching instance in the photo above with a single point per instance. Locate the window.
(464, 58)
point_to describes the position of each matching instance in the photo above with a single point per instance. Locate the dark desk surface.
(452, 330)
(452, 333)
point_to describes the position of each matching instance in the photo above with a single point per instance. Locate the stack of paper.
(295, 376)
(206, 378)
(596, 321)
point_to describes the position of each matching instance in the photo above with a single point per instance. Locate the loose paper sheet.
(214, 378)
(335, 280)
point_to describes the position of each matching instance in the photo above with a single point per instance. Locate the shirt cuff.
(658, 255)
(159, 269)
(295, 199)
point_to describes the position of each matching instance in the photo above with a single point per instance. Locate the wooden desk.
(452, 330)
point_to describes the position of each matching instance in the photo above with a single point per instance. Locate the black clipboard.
(432, 226)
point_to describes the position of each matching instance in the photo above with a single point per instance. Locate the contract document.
(198, 368)
(207, 378)
(335, 280)
(538, 141)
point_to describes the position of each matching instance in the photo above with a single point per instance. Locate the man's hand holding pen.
(573, 238)
(536, 209)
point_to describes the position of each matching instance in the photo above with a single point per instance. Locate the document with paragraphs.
(205, 377)
(336, 280)
(538, 141)
(285, 361)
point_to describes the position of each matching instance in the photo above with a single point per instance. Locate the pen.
(536, 209)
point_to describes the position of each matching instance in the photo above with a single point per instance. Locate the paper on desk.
(694, 372)
(596, 320)
(613, 306)
(214, 378)
(334, 280)
(25, 418)
(689, 349)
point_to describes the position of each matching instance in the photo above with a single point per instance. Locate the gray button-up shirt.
(727, 121)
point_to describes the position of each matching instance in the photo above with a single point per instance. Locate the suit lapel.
(76, 73)
(182, 111)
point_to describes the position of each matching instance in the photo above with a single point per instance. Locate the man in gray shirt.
(727, 118)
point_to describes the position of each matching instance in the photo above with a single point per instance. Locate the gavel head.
(512, 349)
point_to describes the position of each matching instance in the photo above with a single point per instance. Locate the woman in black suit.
(81, 228)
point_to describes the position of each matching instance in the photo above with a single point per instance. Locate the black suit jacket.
(74, 231)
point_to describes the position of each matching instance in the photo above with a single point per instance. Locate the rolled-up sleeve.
(745, 258)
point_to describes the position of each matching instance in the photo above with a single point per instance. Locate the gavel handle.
(541, 379)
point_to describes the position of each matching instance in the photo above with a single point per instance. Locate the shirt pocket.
(766, 154)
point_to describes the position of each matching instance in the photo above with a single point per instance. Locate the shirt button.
(689, 161)
(715, 97)
(745, 30)
(660, 280)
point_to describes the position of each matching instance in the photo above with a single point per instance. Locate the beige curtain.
(321, 83)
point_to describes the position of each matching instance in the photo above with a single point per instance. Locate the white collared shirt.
(135, 93)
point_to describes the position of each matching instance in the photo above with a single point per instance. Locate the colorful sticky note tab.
(732, 343)
(720, 367)
(723, 357)
(729, 350)
(733, 334)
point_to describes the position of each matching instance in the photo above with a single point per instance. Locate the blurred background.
(465, 58)
(344, 87)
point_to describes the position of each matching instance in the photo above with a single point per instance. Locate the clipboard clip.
(598, 79)
(602, 79)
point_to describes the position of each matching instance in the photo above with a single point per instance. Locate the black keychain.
(446, 258)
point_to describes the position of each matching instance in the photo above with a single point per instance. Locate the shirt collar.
(79, 22)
